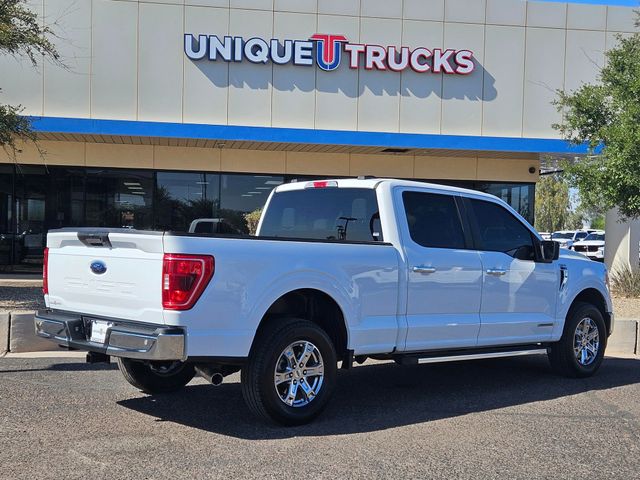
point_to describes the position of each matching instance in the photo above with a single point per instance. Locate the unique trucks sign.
(326, 50)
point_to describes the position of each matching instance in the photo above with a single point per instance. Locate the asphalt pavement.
(511, 418)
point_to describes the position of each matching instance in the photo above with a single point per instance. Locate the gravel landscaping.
(23, 296)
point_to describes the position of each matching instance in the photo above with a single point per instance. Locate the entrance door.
(444, 277)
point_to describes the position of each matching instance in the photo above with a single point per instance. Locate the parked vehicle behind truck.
(339, 270)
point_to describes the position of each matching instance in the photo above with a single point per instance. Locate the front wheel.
(156, 377)
(580, 351)
(291, 372)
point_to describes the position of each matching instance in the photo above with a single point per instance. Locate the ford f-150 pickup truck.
(340, 270)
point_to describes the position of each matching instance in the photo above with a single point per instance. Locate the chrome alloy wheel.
(586, 341)
(299, 374)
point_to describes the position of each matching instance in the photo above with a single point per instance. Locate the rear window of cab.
(339, 214)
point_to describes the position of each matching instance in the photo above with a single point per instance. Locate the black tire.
(561, 354)
(158, 377)
(258, 386)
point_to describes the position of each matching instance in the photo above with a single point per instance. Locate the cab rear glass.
(340, 214)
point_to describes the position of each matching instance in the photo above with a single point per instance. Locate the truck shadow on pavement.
(381, 396)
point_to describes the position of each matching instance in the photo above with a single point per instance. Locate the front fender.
(583, 275)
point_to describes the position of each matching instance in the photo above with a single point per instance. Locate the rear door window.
(343, 214)
(433, 220)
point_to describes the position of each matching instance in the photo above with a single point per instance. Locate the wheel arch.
(314, 305)
(594, 297)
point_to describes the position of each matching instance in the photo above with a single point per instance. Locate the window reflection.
(119, 198)
(242, 194)
(181, 198)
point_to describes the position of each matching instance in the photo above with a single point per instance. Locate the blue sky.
(624, 3)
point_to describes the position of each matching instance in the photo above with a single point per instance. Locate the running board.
(413, 359)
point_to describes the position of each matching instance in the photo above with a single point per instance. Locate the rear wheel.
(156, 377)
(580, 351)
(291, 372)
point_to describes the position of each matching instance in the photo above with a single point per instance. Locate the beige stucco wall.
(276, 162)
(125, 61)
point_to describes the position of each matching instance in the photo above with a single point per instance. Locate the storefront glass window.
(6, 214)
(32, 186)
(242, 194)
(65, 198)
(181, 198)
(119, 198)
(520, 196)
(35, 199)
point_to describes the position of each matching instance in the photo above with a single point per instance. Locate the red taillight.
(184, 278)
(45, 272)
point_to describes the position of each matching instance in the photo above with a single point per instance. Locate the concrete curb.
(22, 336)
(625, 338)
(17, 335)
(5, 325)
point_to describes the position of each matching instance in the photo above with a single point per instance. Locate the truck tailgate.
(107, 273)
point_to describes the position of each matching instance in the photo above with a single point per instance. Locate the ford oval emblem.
(98, 267)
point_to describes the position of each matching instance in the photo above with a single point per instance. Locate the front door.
(444, 278)
(518, 294)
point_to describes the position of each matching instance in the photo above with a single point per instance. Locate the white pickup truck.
(340, 270)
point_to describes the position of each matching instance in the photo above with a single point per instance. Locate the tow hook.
(94, 357)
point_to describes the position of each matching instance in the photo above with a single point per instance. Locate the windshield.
(323, 214)
(595, 236)
(563, 236)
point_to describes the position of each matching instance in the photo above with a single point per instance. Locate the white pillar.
(622, 242)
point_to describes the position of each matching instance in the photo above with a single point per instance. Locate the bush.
(252, 220)
(625, 282)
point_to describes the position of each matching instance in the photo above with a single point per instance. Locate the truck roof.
(374, 182)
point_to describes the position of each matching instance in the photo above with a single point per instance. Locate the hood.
(571, 255)
(593, 243)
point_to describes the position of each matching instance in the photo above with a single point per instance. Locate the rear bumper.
(123, 339)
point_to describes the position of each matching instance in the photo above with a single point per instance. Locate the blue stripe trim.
(617, 3)
(83, 126)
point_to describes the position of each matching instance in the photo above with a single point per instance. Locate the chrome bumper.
(123, 339)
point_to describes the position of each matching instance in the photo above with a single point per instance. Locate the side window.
(433, 220)
(500, 231)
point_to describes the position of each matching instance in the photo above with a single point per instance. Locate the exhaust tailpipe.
(211, 375)
(216, 379)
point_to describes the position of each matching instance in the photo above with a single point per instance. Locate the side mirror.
(550, 251)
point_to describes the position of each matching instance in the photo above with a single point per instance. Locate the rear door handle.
(423, 269)
(498, 272)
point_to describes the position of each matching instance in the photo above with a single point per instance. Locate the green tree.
(606, 116)
(21, 35)
(552, 204)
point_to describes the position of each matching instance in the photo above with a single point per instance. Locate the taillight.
(45, 272)
(321, 184)
(184, 278)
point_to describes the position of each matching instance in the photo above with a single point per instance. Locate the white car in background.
(566, 238)
(592, 246)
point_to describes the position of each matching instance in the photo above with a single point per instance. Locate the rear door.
(106, 273)
(444, 274)
(518, 294)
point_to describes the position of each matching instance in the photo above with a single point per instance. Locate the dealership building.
(171, 110)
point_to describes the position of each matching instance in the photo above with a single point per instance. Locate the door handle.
(498, 272)
(423, 269)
